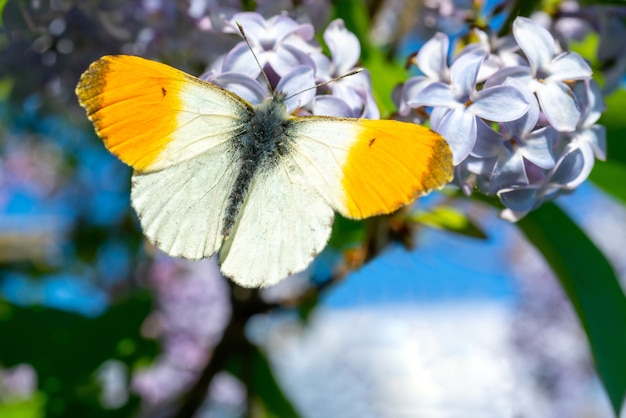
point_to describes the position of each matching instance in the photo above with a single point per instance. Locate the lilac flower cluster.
(518, 113)
(294, 63)
(576, 22)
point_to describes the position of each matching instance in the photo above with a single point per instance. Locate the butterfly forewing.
(152, 116)
(370, 167)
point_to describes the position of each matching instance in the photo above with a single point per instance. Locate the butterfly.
(255, 185)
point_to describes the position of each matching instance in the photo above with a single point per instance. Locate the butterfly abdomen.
(257, 150)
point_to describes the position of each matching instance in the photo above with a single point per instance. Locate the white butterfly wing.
(181, 208)
(284, 223)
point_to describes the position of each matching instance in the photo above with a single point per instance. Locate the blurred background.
(96, 322)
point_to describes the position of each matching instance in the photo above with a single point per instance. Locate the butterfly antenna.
(245, 38)
(358, 70)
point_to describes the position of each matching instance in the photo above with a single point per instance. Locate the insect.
(214, 174)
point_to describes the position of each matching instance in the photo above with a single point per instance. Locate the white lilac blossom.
(519, 114)
(294, 63)
(459, 103)
(547, 72)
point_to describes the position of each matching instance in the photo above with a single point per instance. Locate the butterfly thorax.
(264, 140)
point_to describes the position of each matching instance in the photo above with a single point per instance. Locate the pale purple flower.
(501, 52)
(519, 115)
(350, 96)
(588, 137)
(547, 73)
(19, 381)
(295, 76)
(516, 146)
(463, 103)
(519, 200)
(193, 307)
(432, 61)
(577, 151)
(280, 43)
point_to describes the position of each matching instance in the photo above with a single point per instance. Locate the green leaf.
(386, 73)
(346, 233)
(66, 349)
(267, 389)
(29, 408)
(609, 176)
(449, 219)
(591, 285)
(519, 8)
(613, 117)
(3, 3)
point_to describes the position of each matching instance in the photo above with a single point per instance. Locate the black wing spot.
(372, 141)
(163, 91)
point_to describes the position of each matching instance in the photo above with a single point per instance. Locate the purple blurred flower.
(193, 309)
(19, 381)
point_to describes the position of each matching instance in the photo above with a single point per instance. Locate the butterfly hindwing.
(181, 208)
(284, 223)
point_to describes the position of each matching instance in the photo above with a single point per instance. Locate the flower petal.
(287, 57)
(410, 89)
(489, 143)
(435, 94)
(595, 136)
(589, 99)
(241, 60)
(332, 106)
(537, 147)
(299, 82)
(558, 105)
(458, 127)
(569, 66)
(242, 85)
(519, 199)
(464, 71)
(536, 42)
(521, 73)
(253, 24)
(281, 27)
(432, 58)
(344, 46)
(509, 172)
(574, 167)
(520, 127)
(499, 104)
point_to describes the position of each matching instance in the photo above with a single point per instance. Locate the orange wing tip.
(391, 164)
(131, 102)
